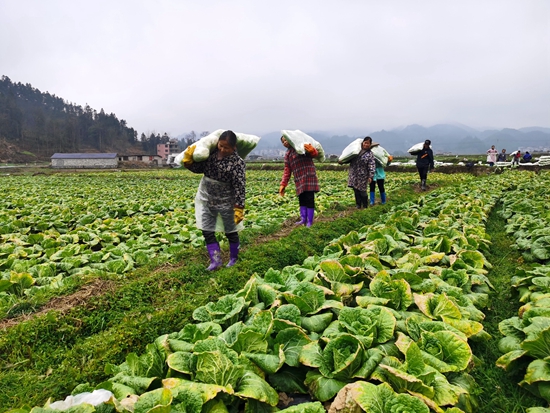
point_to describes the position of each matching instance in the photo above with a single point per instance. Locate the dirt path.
(65, 303)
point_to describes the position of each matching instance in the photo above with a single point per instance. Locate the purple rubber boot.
(303, 215)
(215, 256)
(310, 214)
(233, 254)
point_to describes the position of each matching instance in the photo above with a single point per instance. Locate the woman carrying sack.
(425, 163)
(361, 173)
(305, 179)
(379, 179)
(219, 204)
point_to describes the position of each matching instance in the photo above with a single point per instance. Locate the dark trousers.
(210, 237)
(307, 199)
(380, 183)
(423, 172)
(360, 198)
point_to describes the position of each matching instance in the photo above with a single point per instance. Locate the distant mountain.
(446, 138)
(535, 129)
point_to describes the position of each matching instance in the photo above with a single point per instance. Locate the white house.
(84, 160)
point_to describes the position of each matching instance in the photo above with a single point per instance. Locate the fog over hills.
(446, 138)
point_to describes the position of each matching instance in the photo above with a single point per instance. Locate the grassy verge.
(500, 391)
(47, 356)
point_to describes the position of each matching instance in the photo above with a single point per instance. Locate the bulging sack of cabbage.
(381, 155)
(297, 139)
(207, 144)
(354, 148)
(351, 151)
(415, 149)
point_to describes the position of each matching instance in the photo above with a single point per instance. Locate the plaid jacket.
(303, 169)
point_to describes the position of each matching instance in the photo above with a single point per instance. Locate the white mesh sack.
(415, 149)
(381, 155)
(207, 144)
(297, 139)
(351, 151)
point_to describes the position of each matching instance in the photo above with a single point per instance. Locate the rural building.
(152, 160)
(170, 148)
(84, 160)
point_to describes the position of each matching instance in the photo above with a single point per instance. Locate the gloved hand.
(239, 214)
(309, 148)
(282, 190)
(188, 155)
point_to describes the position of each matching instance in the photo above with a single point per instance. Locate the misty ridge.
(446, 139)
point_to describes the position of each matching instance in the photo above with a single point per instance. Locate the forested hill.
(43, 124)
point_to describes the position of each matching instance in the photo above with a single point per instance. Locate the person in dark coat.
(502, 156)
(361, 173)
(305, 179)
(425, 162)
(221, 194)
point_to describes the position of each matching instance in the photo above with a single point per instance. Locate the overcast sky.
(261, 66)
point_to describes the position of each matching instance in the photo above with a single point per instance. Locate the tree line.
(43, 123)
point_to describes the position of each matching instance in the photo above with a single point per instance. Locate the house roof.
(83, 156)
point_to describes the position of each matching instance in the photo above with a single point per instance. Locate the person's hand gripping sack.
(308, 147)
(239, 214)
(188, 155)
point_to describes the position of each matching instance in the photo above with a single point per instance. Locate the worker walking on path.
(305, 179)
(221, 194)
(425, 162)
(361, 172)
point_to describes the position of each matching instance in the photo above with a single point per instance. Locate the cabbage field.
(60, 227)
(438, 301)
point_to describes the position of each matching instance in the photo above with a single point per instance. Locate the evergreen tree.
(43, 123)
